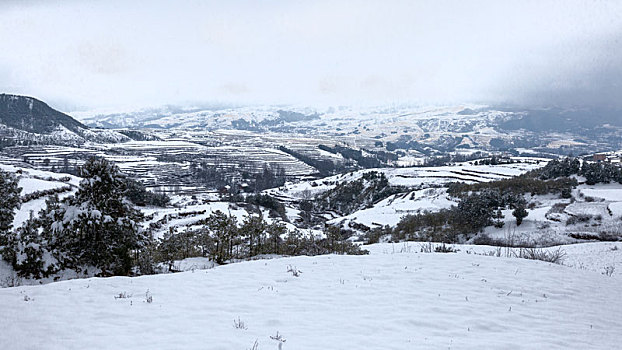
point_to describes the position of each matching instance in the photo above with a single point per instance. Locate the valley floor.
(395, 298)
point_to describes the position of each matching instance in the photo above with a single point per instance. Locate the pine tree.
(520, 213)
(333, 236)
(32, 246)
(223, 229)
(253, 229)
(274, 231)
(9, 201)
(32, 259)
(169, 248)
(306, 209)
(146, 259)
(498, 219)
(97, 227)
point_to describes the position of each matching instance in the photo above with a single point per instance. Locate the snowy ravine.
(394, 298)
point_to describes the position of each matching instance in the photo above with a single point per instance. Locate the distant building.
(223, 190)
(600, 157)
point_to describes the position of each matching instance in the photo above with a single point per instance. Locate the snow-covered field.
(394, 298)
(411, 177)
(608, 192)
(428, 196)
(390, 211)
(32, 180)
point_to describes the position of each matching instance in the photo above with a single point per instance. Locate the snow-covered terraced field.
(258, 157)
(616, 209)
(394, 298)
(465, 172)
(588, 208)
(410, 177)
(30, 185)
(33, 173)
(32, 180)
(608, 192)
(157, 162)
(180, 220)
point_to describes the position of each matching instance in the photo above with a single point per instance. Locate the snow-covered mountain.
(31, 115)
(30, 120)
(416, 128)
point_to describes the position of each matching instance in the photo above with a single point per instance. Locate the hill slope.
(31, 115)
(28, 119)
(395, 298)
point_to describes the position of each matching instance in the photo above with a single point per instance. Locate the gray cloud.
(589, 76)
(113, 53)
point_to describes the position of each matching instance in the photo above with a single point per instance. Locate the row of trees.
(348, 197)
(478, 158)
(137, 193)
(324, 166)
(215, 177)
(474, 212)
(593, 172)
(357, 155)
(518, 185)
(44, 193)
(268, 178)
(222, 238)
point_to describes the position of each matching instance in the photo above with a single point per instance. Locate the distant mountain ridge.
(24, 118)
(421, 129)
(32, 115)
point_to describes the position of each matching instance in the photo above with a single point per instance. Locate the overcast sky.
(109, 54)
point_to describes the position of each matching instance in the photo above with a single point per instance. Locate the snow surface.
(394, 298)
(74, 180)
(608, 192)
(32, 180)
(391, 210)
(29, 185)
(587, 208)
(23, 214)
(616, 209)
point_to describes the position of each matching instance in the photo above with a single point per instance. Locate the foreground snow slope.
(394, 298)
